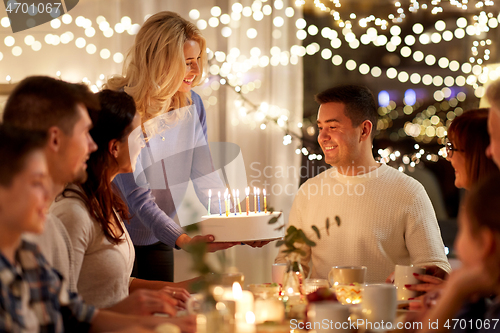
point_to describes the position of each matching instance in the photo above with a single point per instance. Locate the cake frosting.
(243, 227)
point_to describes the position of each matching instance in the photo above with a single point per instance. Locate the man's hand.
(390, 278)
(184, 240)
(436, 271)
(144, 302)
(257, 243)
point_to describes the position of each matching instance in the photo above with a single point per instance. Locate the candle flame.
(247, 191)
(258, 191)
(264, 192)
(237, 291)
(218, 194)
(250, 317)
(209, 193)
(237, 193)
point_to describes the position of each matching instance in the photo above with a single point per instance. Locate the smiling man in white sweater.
(386, 217)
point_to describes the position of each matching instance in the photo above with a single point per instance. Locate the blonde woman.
(167, 59)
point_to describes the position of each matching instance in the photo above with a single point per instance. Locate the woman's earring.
(162, 138)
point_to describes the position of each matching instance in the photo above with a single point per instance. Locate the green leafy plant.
(296, 236)
(208, 274)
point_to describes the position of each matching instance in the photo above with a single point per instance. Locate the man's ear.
(54, 138)
(113, 148)
(366, 130)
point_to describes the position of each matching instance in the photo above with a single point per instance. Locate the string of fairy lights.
(399, 15)
(229, 69)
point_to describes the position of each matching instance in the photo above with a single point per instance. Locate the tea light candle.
(269, 310)
(244, 303)
(209, 198)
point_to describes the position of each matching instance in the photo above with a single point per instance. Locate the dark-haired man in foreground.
(58, 108)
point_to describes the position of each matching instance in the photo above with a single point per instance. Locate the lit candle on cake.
(258, 197)
(225, 201)
(220, 208)
(238, 199)
(234, 201)
(247, 192)
(209, 197)
(255, 200)
(265, 201)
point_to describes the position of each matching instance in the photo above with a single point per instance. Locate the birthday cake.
(243, 227)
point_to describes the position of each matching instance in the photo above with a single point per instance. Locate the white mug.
(278, 272)
(329, 317)
(379, 303)
(404, 275)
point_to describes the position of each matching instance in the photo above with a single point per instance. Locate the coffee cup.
(278, 272)
(329, 317)
(403, 275)
(379, 303)
(347, 281)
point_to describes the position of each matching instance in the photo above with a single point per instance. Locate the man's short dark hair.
(40, 102)
(15, 145)
(359, 103)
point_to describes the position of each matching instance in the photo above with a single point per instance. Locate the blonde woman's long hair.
(155, 65)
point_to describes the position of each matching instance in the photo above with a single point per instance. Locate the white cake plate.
(243, 228)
